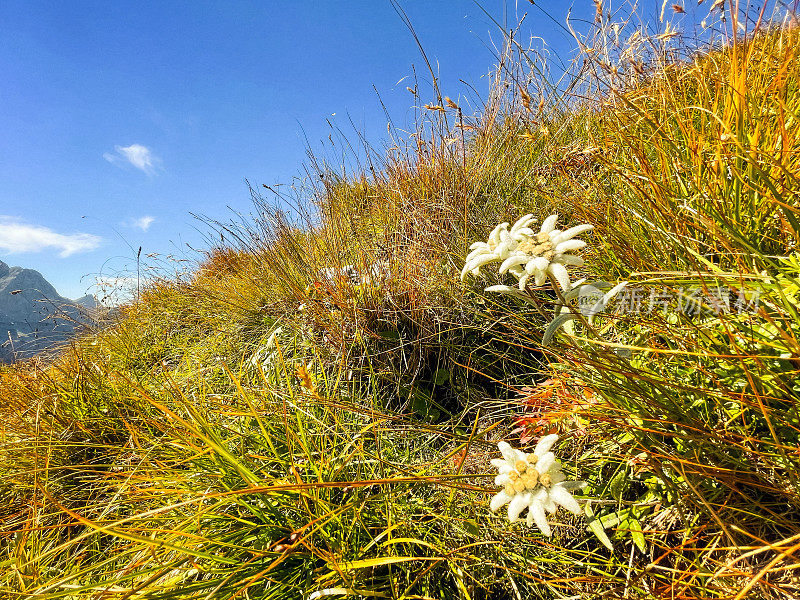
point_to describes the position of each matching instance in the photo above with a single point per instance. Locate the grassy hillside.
(312, 411)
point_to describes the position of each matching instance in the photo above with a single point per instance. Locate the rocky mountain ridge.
(34, 317)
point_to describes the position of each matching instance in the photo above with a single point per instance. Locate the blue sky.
(120, 119)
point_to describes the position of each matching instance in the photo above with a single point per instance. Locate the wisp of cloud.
(17, 236)
(142, 223)
(137, 155)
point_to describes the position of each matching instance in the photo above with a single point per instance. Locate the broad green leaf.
(471, 527)
(596, 527)
(636, 535)
(618, 484)
(611, 520)
(441, 376)
(554, 326)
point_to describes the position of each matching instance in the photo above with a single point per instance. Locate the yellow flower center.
(536, 248)
(532, 478)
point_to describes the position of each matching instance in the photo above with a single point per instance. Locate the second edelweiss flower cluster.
(525, 253)
(533, 481)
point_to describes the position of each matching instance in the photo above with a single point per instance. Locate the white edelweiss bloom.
(497, 247)
(485, 252)
(526, 254)
(546, 254)
(534, 481)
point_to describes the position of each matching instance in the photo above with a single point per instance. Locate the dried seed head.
(533, 459)
(513, 475)
(519, 486)
(545, 480)
(509, 489)
(525, 97)
(520, 466)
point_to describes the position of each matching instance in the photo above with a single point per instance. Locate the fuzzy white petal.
(507, 451)
(560, 273)
(570, 245)
(521, 222)
(540, 263)
(502, 479)
(523, 234)
(613, 292)
(549, 223)
(540, 277)
(523, 282)
(479, 261)
(537, 515)
(514, 259)
(544, 444)
(517, 505)
(477, 252)
(565, 499)
(573, 231)
(545, 461)
(495, 235)
(501, 465)
(503, 250)
(498, 500)
(569, 259)
(476, 263)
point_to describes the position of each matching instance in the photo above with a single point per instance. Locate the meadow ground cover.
(321, 407)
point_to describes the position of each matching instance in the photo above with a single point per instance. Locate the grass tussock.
(313, 408)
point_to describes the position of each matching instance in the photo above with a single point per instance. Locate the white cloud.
(17, 236)
(142, 223)
(137, 155)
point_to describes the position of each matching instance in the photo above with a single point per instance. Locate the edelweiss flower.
(501, 241)
(533, 481)
(526, 254)
(546, 252)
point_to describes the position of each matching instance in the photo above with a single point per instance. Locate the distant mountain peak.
(33, 315)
